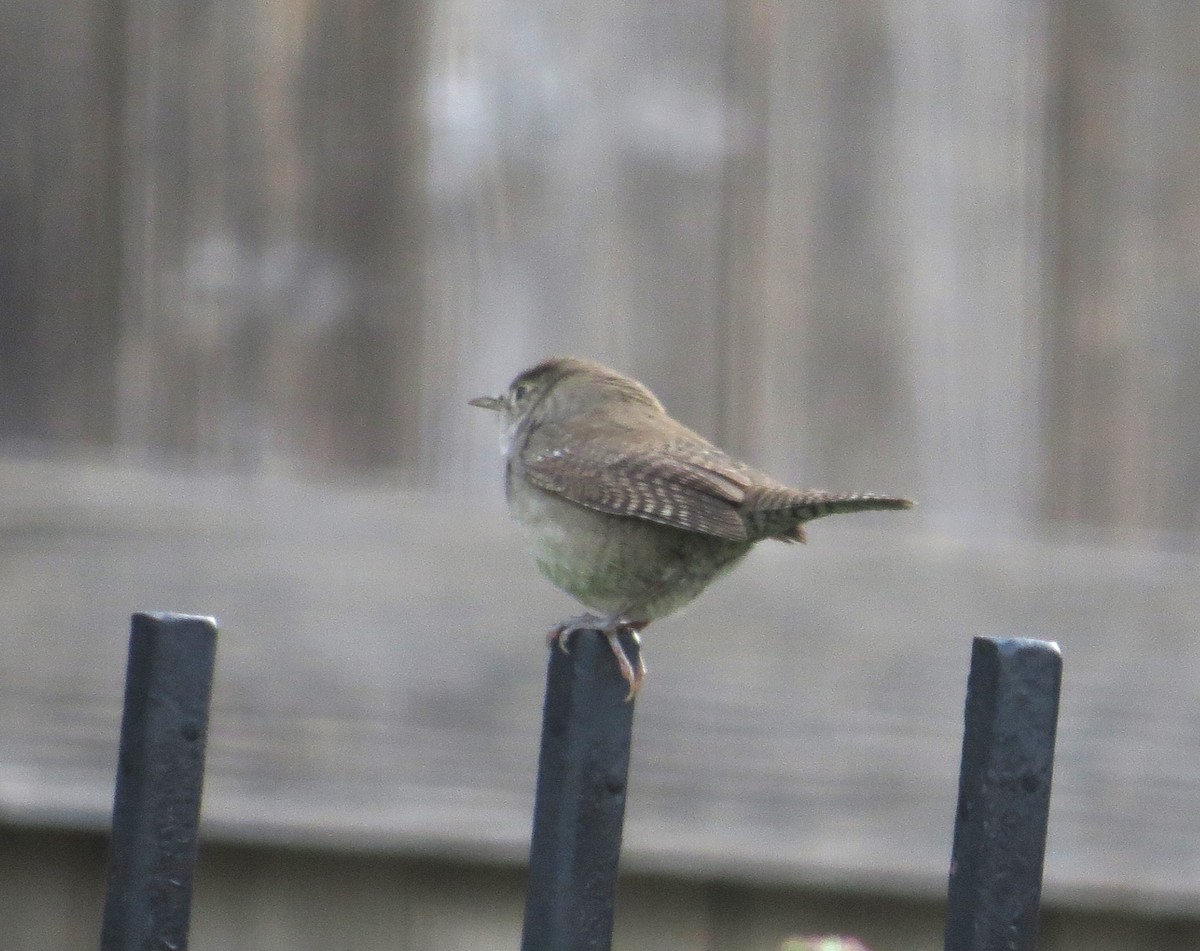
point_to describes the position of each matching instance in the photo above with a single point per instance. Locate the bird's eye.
(520, 391)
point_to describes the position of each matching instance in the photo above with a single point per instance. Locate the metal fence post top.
(174, 617)
(1015, 645)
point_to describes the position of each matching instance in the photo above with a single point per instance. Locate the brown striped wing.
(683, 482)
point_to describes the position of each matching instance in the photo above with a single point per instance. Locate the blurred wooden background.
(951, 251)
(939, 248)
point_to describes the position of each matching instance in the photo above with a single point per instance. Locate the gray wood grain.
(381, 661)
(286, 899)
(943, 250)
(1124, 352)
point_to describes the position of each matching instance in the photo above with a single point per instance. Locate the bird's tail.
(781, 512)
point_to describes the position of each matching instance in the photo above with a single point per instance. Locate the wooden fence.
(933, 248)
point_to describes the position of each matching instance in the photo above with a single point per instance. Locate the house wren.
(628, 510)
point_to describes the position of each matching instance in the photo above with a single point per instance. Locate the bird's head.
(562, 387)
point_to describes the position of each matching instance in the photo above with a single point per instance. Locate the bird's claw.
(561, 633)
(611, 628)
(632, 677)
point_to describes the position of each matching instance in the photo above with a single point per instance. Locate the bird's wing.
(682, 481)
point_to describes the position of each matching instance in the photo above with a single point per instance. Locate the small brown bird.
(628, 510)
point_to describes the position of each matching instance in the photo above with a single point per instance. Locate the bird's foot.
(611, 627)
(561, 633)
(632, 677)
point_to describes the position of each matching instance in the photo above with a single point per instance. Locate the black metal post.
(580, 803)
(160, 768)
(1003, 795)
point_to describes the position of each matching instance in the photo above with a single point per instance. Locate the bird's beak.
(488, 402)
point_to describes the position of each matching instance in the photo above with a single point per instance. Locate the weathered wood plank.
(308, 900)
(1124, 352)
(382, 666)
(576, 206)
(943, 249)
(886, 250)
(60, 266)
(271, 234)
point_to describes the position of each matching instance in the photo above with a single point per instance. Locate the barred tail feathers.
(781, 512)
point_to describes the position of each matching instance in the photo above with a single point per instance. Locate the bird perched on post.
(628, 510)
